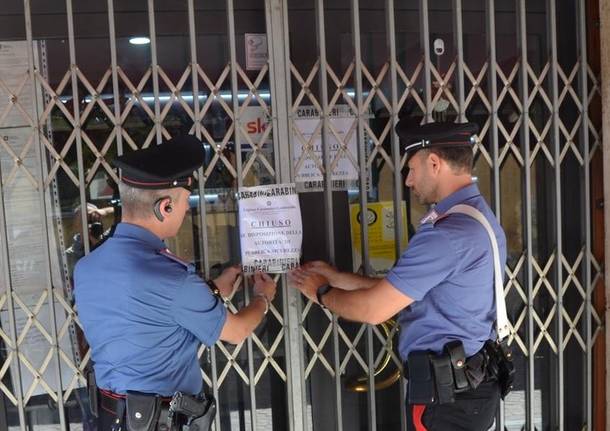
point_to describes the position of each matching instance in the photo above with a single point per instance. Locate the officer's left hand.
(227, 280)
(307, 282)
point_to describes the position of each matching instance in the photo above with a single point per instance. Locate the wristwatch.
(322, 290)
(215, 290)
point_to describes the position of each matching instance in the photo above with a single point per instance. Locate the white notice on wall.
(270, 228)
(256, 51)
(307, 145)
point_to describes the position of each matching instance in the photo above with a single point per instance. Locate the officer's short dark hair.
(460, 158)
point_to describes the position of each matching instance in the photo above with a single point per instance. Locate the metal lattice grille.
(326, 105)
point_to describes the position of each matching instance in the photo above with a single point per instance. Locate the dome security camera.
(439, 47)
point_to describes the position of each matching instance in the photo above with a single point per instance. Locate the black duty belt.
(111, 402)
(115, 403)
(472, 362)
(436, 378)
(138, 411)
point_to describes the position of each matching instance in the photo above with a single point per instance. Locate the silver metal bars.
(527, 191)
(583, 79)
(381, 72)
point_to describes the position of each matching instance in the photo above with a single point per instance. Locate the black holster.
(196, 413)
(500, 365)
(203, 423)
(435, 379)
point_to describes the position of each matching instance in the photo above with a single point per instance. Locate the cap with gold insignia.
(435, 135)
(165, 166)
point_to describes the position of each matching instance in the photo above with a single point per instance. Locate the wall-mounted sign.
(342, 140)
(256, 51)
(381, 239)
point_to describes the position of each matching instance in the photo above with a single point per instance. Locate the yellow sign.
(381, 239)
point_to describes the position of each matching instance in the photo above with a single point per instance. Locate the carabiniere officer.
(144, 311)
(442, 286)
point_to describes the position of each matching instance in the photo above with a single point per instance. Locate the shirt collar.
(138, 232)
(454, 198)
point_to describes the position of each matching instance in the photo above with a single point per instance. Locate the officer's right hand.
(240, 325)
(320, 267)
(227, 280)
(264, 285)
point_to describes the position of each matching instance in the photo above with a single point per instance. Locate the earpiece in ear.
(157, 208)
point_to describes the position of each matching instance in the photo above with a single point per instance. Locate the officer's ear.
(162, 207)
(434, 162)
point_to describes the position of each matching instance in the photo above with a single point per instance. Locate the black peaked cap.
(429, 135)
(170, 164)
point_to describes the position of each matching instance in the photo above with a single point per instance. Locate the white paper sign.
(256, 51)
(270, 228)
(308, 166)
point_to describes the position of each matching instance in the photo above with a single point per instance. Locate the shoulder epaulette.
(439, 218)
(430, 217)
(171, 256)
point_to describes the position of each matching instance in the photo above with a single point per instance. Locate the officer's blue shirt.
(144, 313)
(448, 271)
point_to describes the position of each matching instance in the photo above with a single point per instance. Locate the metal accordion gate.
(308, 92)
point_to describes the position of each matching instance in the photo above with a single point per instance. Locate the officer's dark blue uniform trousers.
(473, 410)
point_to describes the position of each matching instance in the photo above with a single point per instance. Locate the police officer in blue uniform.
(442, 286)
(144, 311)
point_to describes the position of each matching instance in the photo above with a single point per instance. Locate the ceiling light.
(140, 40)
